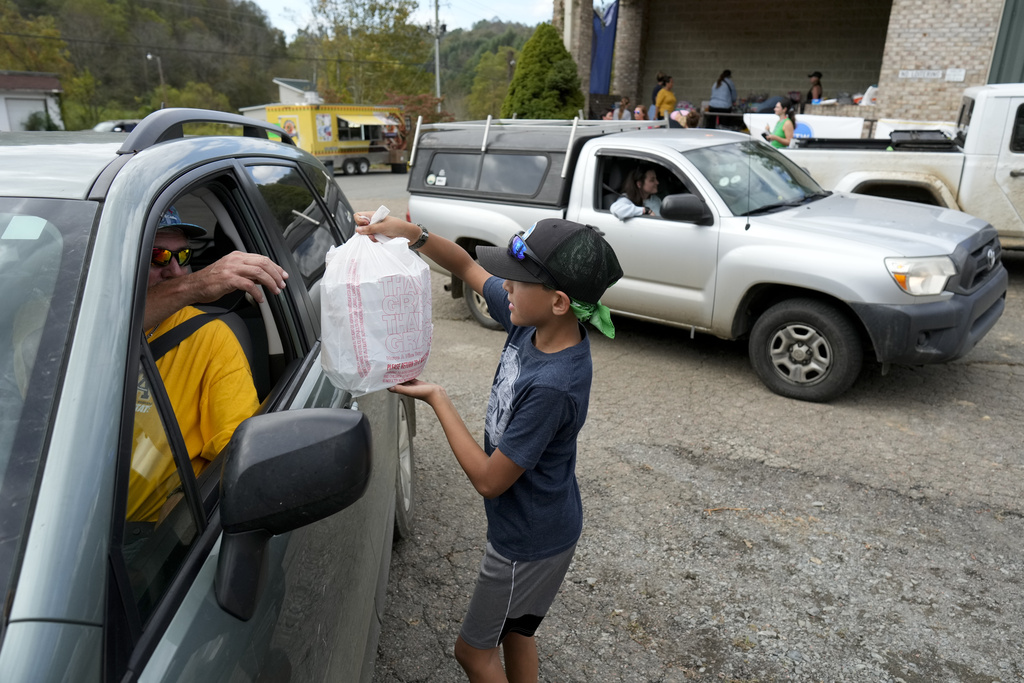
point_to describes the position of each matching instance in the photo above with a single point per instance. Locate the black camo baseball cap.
(568, 256)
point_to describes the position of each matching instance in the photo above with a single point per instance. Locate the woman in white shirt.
(639, 194)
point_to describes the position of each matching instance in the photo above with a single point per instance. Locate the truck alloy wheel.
(364, 166)
(477, 306)
(350, 167)
(806, 349)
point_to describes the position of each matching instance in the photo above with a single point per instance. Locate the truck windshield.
(752, 177)
(43, 249)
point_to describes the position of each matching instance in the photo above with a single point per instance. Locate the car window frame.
(1017, 132)
(605, 154)
(129, 643)
(266, 218)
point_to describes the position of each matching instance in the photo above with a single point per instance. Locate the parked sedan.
(274, 564)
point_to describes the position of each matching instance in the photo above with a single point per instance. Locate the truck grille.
(977, 259)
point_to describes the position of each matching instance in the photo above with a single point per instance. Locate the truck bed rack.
(490, 131)
(899, 140)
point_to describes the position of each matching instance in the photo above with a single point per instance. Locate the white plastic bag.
(375, 315)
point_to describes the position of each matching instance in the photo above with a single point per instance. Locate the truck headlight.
(921, 276)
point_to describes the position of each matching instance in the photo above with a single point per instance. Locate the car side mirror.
(283, 471)
(687, 208)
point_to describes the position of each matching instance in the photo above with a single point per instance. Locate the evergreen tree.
(545, 84)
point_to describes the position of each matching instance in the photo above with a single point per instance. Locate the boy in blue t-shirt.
(547, 280)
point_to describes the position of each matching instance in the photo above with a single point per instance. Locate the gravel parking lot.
(734, 535)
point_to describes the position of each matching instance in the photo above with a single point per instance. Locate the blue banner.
(602, 48)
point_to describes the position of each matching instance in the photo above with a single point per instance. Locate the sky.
(289, 15)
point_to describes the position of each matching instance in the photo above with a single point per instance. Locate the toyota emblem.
(990, 255)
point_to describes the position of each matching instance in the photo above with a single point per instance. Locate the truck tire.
(806, 349)
(364, 166)
(349, 166)
(478, 309)
(404, 492)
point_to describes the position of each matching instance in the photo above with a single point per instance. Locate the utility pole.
(437, 30)
(159, 68)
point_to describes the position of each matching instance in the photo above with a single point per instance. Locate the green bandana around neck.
(597, 315)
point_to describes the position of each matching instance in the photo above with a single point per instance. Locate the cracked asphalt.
(734, 535)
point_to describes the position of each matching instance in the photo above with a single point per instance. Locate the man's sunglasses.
(518, 250)
(162, 257)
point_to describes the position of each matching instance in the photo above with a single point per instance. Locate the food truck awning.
(375, 119)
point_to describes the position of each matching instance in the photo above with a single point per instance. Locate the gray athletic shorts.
(512, 597)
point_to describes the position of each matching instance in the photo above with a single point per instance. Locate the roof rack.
(167, 124)
(592, 127)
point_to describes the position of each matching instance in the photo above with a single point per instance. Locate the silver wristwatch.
(422, 240)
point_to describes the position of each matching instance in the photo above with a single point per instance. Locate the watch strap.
(422, 240)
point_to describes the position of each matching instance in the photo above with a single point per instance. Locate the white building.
(24, 93)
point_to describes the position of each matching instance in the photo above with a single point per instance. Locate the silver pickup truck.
(747, 244)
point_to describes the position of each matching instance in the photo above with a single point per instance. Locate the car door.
(669, 267)
(311, 216)
(316, 616)
(1010, 166)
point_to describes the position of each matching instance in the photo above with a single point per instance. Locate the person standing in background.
(666, 100)
(652, 111)
(723, 97)
(815, 92)
(622, 112)
(782, 134)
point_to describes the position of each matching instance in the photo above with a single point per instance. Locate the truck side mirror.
(687, 208)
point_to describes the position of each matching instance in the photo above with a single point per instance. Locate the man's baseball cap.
(816, 74)
(171, 219)
(571, 257)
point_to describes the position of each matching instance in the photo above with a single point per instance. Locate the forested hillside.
(124, 58)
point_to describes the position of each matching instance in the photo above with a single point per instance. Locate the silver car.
(273, 567)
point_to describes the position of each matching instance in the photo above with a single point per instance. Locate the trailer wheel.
(350, 166)
(364, 166)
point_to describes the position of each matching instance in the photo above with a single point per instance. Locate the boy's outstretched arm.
(490, 476)
(441, 251)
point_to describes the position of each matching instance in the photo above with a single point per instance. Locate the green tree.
(370, 48)
(545, 84)
(193, 95)
(461, 52)
(490, 82)
(31, 44)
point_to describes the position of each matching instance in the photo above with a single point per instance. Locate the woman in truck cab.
(639, 194)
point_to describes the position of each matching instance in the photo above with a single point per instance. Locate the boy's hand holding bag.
(375, 313)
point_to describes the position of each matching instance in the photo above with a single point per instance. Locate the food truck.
(348, 137)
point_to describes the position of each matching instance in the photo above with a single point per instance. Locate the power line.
(223, 53)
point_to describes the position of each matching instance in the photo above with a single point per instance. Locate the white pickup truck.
(747, 244)
(979, 171)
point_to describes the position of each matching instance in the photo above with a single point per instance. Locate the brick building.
(920, 53)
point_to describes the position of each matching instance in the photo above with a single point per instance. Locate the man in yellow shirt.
(206, 376)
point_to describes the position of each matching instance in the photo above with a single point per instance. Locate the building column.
(574, 18)
(629, 54)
